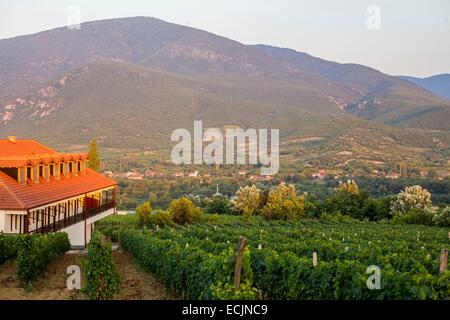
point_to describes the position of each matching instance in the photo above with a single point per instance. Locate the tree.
(348, 187)
(94, 156)
(414, 197)
(184, 211)
(219, 205)
(247, 200)
(442, 217)
(144, 212)
(283, 202)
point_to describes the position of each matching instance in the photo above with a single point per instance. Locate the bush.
(102, 278)
(8, 247)
(381, 208)
(415, 216)
(283, 203)
(35, 252)
(161, 218)
(348, 204)
(348, 187)
(144, 212)
(247, 200)
(184, 211)
(442, 217)
(414, 197)
(219, 205)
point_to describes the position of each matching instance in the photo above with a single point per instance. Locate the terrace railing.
(69, 221)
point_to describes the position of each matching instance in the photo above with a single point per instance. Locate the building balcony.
(77, 218)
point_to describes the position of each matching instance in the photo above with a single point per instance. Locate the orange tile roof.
(22, 148)
(21, 153)
(16, 196)
(35, 159)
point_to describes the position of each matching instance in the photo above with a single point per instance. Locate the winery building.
(42, 191)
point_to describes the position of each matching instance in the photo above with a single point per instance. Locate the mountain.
(380, 97)
(32, 60)
(130, 82)
(438, 85)
(135, 102)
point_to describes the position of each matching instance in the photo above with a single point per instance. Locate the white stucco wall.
(5, 220)
(76, 231)
(2, 220)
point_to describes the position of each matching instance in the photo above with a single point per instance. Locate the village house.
(193, 174)
(392, 175)
(134, 175)
(178, 174)
(44, 191)
(319, 175)
(261, 178)
(108, 174)
(151, 174)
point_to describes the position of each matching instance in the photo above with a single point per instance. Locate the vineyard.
(197, 260)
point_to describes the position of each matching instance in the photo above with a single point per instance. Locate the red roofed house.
(42, 191)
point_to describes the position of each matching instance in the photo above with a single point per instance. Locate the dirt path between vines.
(136, 283)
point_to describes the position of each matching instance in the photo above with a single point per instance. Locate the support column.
(65, 214)
(84, 217)
(27, 222)
(54, 218)
(115, 198)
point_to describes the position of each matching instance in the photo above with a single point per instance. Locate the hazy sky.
(413, 38)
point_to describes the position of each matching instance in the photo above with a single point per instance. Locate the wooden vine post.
(238, 261)
(443, 261)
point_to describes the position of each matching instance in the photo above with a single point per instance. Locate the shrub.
(415, 216)
(161, 218)
(346, 203)
(144, 212)
(348, 187)
(219, 205)
(247, 200)
(284, 203)
(414, 197)
(184, 211)
(8, 247)
(381, 208)
(442, 217)
(35, 252)
(102, 278)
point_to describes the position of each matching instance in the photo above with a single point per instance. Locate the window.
(79, 166)
(61, 168)
(29, 172)
(71, 167)
(41, 171)
(52, 169)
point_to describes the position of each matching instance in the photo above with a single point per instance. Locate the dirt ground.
(136, 283)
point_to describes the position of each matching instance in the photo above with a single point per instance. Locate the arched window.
(29, 172)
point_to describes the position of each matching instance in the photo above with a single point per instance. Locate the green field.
(193, 259)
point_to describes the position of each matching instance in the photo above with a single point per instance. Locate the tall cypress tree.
(94, 156)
